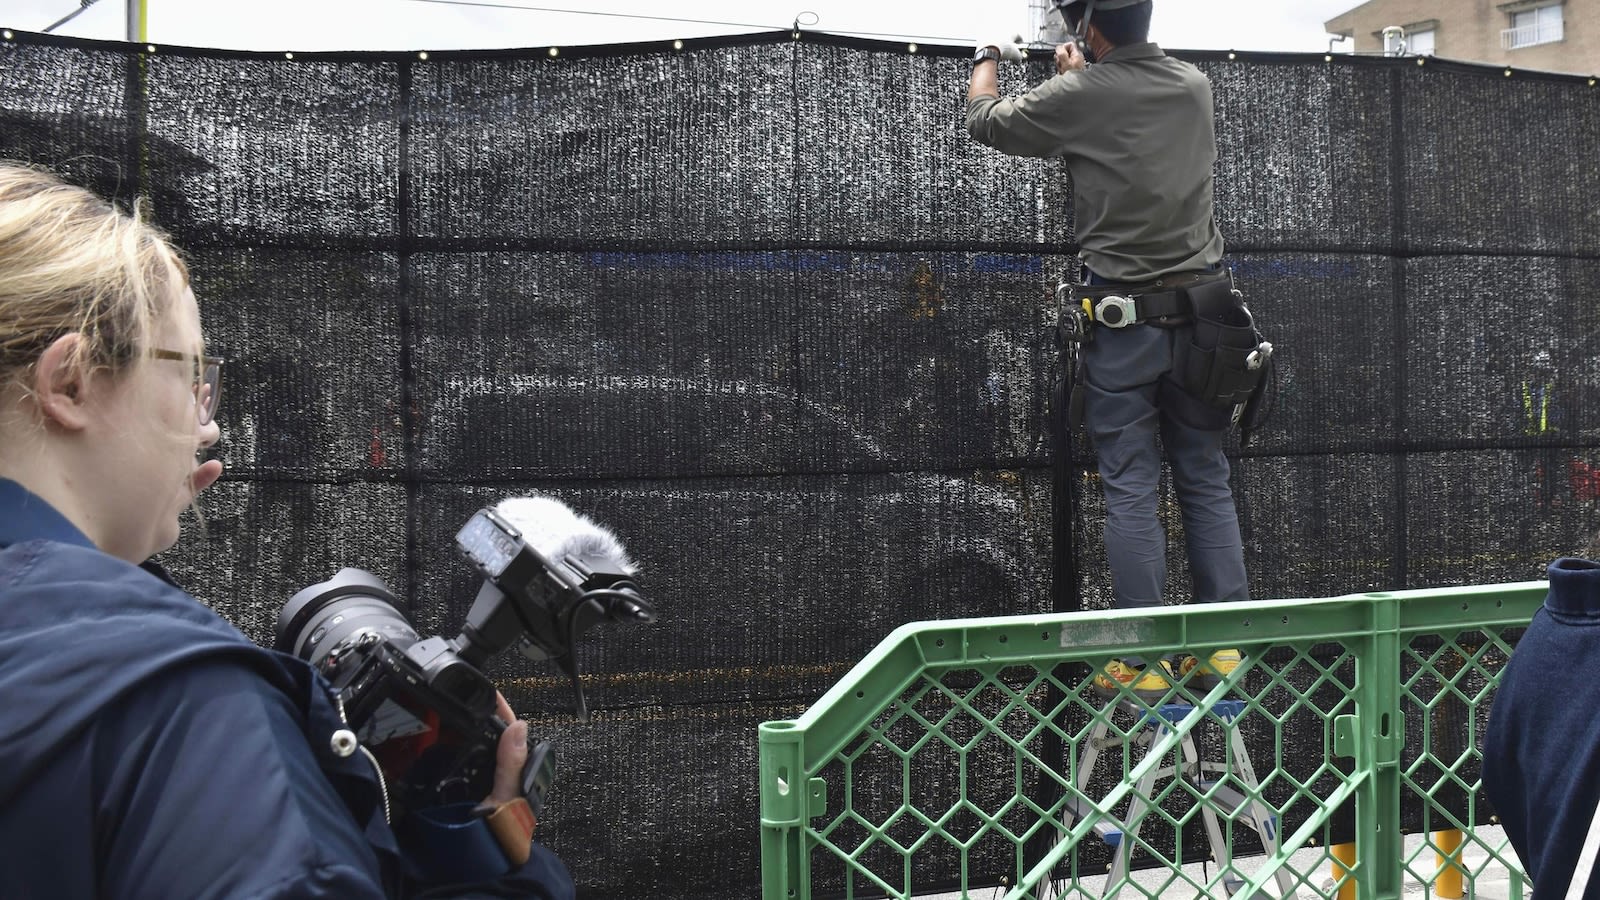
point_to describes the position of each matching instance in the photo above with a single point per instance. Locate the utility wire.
(69, 16)
(763, 27)
(590, 12)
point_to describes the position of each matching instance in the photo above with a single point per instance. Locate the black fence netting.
(760, 305)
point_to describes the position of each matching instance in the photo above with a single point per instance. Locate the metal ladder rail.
(1151, 726)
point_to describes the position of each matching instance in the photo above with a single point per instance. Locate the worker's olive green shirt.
(1137, 135)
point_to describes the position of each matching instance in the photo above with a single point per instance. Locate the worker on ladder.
(1162, 342)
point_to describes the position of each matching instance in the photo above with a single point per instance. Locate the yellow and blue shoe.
(1148, 683)
(1208, 673)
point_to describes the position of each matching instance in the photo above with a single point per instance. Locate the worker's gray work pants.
(1128, 399)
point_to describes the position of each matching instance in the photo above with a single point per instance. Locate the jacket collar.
(1127, 52)
(25, 516)
(1574, 588)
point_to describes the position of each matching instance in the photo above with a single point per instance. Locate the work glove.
(1011, 47)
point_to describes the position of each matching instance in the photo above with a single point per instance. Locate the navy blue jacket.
(1541, 751)
(150, 750)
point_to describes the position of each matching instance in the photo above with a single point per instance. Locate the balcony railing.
(1528, 35)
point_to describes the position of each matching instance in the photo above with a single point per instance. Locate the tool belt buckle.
(1114, 311)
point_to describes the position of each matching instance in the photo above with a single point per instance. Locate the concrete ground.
(1492, 881)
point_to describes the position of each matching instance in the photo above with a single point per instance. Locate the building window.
(1542, 25)
(1415, 39)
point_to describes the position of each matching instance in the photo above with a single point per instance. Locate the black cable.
(571, 665)
(640, 610)
(590, 12)
(761, 27)
(70, 16)
(633, 604)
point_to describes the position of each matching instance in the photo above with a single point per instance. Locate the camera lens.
(320, 617)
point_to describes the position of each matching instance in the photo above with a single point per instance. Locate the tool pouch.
(1226, 361)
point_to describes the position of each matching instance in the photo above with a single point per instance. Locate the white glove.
(1011, 47)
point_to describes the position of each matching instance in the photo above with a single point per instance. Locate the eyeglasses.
(207, 381)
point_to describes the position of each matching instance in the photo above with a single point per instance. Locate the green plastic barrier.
(976, 754)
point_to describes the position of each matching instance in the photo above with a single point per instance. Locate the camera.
(421, 706)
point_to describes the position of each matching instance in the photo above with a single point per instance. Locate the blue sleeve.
(542, 877)
(212, 791)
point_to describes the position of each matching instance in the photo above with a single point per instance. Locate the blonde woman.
(147, 748)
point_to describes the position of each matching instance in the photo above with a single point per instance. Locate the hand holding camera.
(438, 729)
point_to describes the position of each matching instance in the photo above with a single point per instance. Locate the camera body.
(422, 706)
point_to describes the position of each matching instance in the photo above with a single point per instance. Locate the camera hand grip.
(538, 773)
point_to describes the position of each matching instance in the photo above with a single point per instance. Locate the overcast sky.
(455, 24)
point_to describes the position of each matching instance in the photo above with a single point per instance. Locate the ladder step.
(1106, 828)
(1209, 775)
(1232, 801)
(1227, 710)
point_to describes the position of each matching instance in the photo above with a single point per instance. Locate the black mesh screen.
(760, 305)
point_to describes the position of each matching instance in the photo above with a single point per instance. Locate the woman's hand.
(509, 757)
(510, 818)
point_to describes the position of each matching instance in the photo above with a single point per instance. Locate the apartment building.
(1552, 35)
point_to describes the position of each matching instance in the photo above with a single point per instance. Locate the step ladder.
(1154, 723)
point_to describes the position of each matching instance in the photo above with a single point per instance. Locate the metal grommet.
(343, 743)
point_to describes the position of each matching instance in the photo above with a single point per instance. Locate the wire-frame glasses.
(207, 381)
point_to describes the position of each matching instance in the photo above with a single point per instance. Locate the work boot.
(1148, 683)
(1209, 673)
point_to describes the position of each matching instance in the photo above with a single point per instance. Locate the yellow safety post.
(1447, 885)
(1344, 857)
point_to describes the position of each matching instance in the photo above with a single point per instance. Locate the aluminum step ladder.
(1153, 724)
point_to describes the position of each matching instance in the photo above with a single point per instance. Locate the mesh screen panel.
(760, 305)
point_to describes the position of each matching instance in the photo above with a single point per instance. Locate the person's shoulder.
(1087, 82)
(1152, 58)
(81, 630)
(47, 581)
(180, 750)
(1185, 70)
(1066, 81)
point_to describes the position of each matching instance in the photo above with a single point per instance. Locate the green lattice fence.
(977, 754)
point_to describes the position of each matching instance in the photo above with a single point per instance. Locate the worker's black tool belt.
(1165, 302)
(1223, 361)
(1226, 362)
